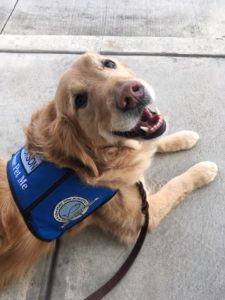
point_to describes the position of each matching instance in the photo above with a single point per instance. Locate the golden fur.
(82, 140)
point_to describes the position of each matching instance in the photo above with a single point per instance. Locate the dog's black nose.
(130, 94)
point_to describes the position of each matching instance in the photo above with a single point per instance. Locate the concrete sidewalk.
(174, 18)
(184, 258)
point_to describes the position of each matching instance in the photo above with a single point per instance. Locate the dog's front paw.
(188, 139)
(182, 140)
(203, 173)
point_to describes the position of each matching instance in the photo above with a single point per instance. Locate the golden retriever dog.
(102, 124)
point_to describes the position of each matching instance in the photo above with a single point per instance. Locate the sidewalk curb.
(146, 46)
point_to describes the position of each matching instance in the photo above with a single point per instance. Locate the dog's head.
(101, 113)
(108, 101)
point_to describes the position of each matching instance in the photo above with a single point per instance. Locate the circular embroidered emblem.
(70, 209)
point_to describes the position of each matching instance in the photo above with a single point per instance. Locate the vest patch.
(51, 199)
(71, 208)
(30, 162)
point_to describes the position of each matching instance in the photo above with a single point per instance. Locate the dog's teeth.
(145, 129)
(157, 112)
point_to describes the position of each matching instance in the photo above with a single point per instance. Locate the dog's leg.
(176, 189)
(182, 140)
(122, 215)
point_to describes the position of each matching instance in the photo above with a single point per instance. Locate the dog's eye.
(81, 100)
(109, 64)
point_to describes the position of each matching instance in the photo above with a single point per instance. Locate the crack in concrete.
(9, 16)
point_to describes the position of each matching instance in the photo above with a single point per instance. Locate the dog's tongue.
(149, 116)
(150, 120)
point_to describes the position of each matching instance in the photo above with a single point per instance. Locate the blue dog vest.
(51, 199)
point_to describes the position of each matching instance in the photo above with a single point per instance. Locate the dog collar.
(51, 199)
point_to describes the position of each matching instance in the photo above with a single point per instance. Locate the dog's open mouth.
(150, 125)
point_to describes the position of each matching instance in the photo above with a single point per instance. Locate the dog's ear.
(71, 146)
(60, 140)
